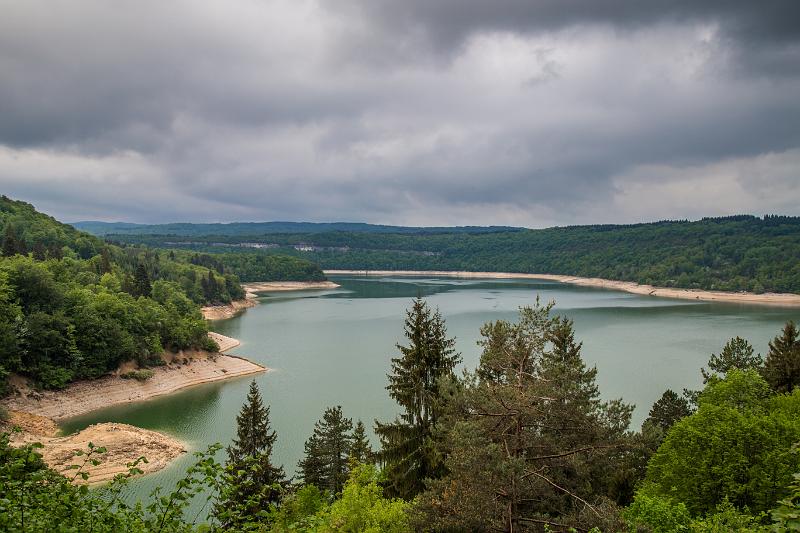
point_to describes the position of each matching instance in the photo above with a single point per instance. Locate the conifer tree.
(360, 449)
(12, 244)
(141, 282)
(325, 464)
(737, 353)
(252, 484)
(667, 410)
(528, 440)
(407, 449)
(782, 367)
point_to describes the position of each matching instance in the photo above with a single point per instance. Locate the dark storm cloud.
(769, 26)
(419, 112)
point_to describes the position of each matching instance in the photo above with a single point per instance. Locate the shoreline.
(37, 413)
(185, 369)
(124, 444)
(221, 312)
(773, 299)
(252, 290)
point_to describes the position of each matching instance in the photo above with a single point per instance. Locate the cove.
(333, 347)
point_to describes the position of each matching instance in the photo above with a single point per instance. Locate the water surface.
(332, 347)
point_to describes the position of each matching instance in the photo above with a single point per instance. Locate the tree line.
(728, 253)
(523, 442)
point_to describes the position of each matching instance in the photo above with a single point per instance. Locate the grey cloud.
(404, 112)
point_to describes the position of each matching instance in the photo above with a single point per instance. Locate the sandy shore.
(780, 299)
(220, 312)
(124, 444)
(36, 412)
(185, 370)
(276, 286)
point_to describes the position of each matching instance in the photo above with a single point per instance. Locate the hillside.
(255, 228)
(730, 253)
(73, 306)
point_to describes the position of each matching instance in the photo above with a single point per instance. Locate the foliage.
(782, 367)
(528, 443)
(361, 508)
(737, 446)
(75, 307)
(737, 353)
(360, 449)
(327, 451)
(143, 374)
(252, 486)
(728, 253)
(667, 410)
(787, 513)
(35, 498)
(407, 443)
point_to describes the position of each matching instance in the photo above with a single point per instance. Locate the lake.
(333, 347)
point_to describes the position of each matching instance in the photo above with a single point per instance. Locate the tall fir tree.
(407, 444)
(667, 410)
(12, 243)
(360, 449)
(252, 484)
(782, 366)
(325, 464)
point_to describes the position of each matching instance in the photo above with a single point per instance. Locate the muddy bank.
(781, 299)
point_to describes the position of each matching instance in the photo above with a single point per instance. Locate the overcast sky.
(416, 112)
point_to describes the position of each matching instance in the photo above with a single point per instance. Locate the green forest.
(523, 442)
(738, 253)
(75, 307)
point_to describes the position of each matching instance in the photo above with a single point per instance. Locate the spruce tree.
(327, 450)
(407, 449)
(252, 484)
(12, 244)
(360, 449)
(782, 367)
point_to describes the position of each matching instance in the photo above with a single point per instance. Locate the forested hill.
(731, 253)
(256, 228)
(73, 306)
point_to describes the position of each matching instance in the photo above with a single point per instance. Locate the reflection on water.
(332, 347)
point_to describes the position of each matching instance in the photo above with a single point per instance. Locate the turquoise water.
(332, 347)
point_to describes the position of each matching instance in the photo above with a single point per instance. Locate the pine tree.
(325, 464)
(528, 440)
(360, 449)
(737, 353)
(407, 443)
(252, 484)
(782, 367)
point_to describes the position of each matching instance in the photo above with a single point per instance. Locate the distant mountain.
(187, 229)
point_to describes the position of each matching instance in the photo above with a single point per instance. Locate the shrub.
(139, 375)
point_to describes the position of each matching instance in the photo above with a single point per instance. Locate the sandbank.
(124, 444)
(779, 299)
(277, 286)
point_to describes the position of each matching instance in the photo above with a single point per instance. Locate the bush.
(139, 375)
